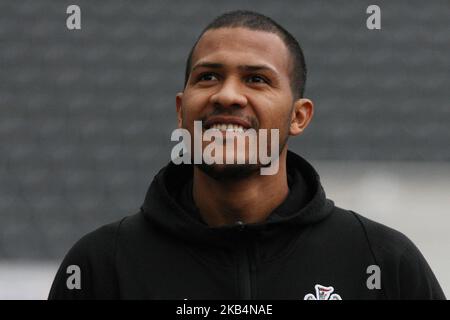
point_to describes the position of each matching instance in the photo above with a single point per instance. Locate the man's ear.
(302, 114)
(179, 103)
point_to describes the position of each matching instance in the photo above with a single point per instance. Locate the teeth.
(227, 127)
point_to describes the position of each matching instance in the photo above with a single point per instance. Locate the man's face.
(238, 75)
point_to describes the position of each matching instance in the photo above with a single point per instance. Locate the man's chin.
(229, 171)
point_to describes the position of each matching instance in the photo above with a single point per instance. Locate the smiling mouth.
(227, 127)
(226, 124)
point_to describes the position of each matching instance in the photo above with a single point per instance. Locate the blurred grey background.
(86, 116)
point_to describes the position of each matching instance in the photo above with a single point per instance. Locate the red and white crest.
(323, 293)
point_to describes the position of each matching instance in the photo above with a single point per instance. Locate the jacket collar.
(163, 208)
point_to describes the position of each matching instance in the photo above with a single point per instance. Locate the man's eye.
(257, 79)
(207, 77)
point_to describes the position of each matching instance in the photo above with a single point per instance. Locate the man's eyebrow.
(208, 65)
(257, 67)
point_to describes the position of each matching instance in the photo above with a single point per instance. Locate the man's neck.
(248, 200)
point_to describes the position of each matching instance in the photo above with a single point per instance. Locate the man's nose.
(229, 95)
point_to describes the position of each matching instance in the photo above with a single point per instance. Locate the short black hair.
(256, 21)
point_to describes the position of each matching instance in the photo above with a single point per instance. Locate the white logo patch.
(323, 293)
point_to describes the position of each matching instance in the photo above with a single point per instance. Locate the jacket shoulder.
(88, 269)
(383, 239)
(405, 272)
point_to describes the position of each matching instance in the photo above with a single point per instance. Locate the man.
(226, 231)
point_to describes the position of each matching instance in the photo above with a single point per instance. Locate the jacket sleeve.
(88, 270)
(416, 279)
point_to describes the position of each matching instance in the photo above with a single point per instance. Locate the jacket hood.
(163, 209)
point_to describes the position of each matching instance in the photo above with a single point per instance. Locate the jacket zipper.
(244, 265)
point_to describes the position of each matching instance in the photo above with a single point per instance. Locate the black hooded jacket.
(306, 249)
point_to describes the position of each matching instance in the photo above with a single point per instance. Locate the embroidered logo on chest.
(323, 293)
